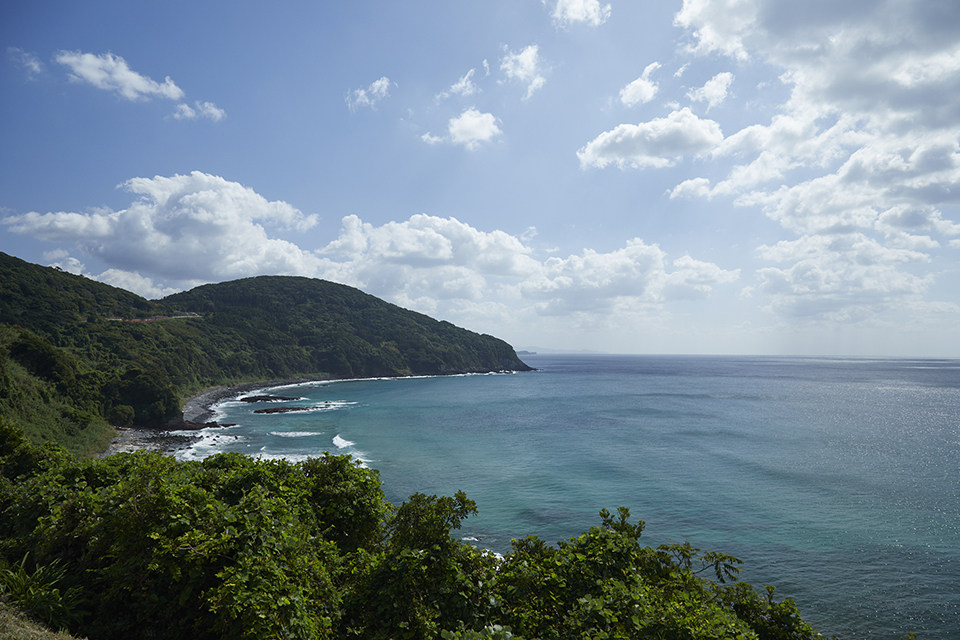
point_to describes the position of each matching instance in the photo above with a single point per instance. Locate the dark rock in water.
(267, 399)
(190, 425)
(281, 409)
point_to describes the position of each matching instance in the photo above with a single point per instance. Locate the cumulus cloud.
(111, 73)
(593, 281)
(590, 12)
(641, 90)
(470, 129)
(199, 110)
(842, 278)
(28, 61)
(719, 25)
(714, 92)
(182, 229)
(137, 284)
(658, 143)
(377, 91)
(867, 146)
(524, 67)
(427, 260)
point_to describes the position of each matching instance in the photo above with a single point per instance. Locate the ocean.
(837, 480)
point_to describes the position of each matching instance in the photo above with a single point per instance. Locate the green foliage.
(142, 546)
(36, 593)
(260, 328)
(493, 632)
(46, 415)
(604, 584)
(230, 547)
(149, 395)
(771, 620)
(350, 507)
(424, 581)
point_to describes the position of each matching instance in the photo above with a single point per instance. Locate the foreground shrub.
(144, 546)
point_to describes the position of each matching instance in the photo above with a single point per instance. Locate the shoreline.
(197, 414)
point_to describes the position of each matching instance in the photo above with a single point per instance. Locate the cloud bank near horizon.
(186, 230)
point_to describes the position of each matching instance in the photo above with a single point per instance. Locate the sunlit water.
(837, 480)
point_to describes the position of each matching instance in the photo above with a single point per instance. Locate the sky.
(686, 176)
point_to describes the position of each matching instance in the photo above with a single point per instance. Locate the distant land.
(527, 351)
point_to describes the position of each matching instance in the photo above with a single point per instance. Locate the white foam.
(211, 441)
(340, 443)
(328, 405)
(295, 434)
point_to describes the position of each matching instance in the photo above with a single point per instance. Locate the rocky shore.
(197, 414)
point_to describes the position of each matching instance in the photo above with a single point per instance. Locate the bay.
(837, 480)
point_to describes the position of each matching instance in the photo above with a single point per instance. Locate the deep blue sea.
(837, 480)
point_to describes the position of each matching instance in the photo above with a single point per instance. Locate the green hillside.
(77, 354)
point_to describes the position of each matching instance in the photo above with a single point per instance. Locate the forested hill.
(98, 353)
(292, 324)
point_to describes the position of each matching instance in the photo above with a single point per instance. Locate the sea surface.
(837, 480)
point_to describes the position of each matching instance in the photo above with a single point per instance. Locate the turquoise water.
(837, 480)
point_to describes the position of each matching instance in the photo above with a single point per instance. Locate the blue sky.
(696, 176)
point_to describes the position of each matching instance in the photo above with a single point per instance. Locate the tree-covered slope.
(285, 324)
(49, 300)
(104, 354)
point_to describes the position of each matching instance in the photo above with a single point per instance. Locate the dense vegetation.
(143, 546)
(77, 355)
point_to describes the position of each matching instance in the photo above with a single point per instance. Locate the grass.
(14, 625)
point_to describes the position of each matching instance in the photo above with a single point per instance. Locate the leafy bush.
(144, 546)
(36, 593)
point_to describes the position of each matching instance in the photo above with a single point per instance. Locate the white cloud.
(658, 143)
(694, 279)
(463, 87)
(202, 110)
(136, 283)
(714, 92)
(587, 11)
(64, 261)
(377, 91)
(525, 67)
(719, 25)
(427, 260)
(30, 63)
(470, 129)
(843, 278)
(641, 90)
(594, 282)
(182, 229)
(862, 160)
(111, 73)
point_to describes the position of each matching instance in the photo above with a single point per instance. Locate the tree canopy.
(144, 546)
